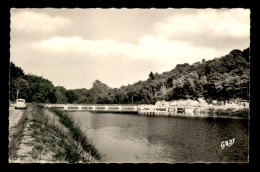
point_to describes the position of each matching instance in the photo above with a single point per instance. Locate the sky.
(74, 47)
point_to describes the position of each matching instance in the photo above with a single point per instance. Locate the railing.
(140, 109)
(95, 107)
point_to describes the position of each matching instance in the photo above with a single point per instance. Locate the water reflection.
(134, 138)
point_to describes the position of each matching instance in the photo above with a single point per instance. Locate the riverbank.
(233, 108)
(231, 104)
(186, 108)
(47, 135)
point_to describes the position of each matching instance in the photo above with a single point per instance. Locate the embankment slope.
(47, 136)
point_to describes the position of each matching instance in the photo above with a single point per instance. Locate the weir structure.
(149, 110)
(95, 108)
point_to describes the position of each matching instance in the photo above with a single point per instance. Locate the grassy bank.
(61, 138)
(241, 113)
(47, 135)
(76, 132)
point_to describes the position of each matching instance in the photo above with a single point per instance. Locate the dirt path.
(14, 116)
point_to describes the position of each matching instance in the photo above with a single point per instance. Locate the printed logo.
(227, 143)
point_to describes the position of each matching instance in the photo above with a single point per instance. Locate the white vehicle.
(20, 104)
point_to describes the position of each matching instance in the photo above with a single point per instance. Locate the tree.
(169, 82)
(235, 52)
(71, 96)
(246, 54)
(19, 88)
(15, 71)
(41, 90)
(52, 97)
(60, 94)
(207, 69)
(151, 76)
(83, 95)
(98, 91)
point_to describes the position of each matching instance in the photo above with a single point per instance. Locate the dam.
(149, 110)
(95, 108)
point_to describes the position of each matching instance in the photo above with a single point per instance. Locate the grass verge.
(77, 133)
(59, 143)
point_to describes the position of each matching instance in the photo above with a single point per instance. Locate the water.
(129, 138)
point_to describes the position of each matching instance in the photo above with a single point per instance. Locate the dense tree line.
(34, 88)
(18, 85)
(222, 78)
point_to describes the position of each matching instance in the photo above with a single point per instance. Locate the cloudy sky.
(74, 47)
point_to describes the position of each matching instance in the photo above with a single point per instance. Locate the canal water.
(131, 138)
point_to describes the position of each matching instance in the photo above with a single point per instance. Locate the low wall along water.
(149, 110)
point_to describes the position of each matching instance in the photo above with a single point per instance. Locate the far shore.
(221, 109)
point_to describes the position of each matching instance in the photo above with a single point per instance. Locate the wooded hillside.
(222, 78)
